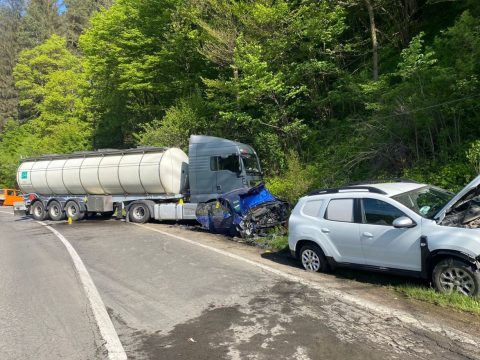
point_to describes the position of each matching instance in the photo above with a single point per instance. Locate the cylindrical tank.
(115, 172)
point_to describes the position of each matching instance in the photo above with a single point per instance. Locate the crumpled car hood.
(245, 211)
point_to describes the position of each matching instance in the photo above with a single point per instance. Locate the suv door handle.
(325, 230)
(367, 235)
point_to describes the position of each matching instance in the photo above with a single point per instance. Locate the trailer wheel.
(72, 209)
(139, 213)
(38, 211)
(55, 211)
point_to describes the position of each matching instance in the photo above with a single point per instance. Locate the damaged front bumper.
(245, 212)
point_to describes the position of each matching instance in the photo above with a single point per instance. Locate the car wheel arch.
(301, 243)
(438, 255)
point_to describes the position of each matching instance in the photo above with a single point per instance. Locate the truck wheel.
(72, 209)
(139, 213)
(313, 259)
(55, 211)
(452, 275)
(38, 211)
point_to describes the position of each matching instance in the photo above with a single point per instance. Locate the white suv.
(401, 227)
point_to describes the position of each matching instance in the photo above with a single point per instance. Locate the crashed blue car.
(244, 212)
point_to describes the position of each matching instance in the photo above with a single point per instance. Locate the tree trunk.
(373, 33)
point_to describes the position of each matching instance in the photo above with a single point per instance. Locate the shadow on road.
(283, 257)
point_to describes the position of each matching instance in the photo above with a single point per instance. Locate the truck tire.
(454, 275)
(73, 211)
(38, 211)
(313, 259)
(139, 213)
(55, 211)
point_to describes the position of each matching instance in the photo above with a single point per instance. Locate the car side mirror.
(403, 222)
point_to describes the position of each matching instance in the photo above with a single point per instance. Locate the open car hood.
(469, 191)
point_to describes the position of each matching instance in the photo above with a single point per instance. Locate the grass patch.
(414, 289)
(272, 242)
(453, 301)
(275, 239)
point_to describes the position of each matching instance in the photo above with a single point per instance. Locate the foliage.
(291, 78)
(173, 130)
(51, 87)
(473, 155)
(77, 17)
(294, 182)
(454, 301)
(276, 240)
(141, 57)
(36, 68)
(42, 20)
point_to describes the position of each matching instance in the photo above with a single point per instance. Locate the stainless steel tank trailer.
(145, 183)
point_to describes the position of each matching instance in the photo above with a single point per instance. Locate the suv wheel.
(312, 258)
(452, 275)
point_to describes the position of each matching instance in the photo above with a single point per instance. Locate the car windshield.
(250, 162)
(426, 201)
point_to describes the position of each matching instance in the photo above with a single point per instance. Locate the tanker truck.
(141, 184)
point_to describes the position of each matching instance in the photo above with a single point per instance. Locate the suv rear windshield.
(426, 201)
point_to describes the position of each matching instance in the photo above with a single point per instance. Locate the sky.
(61, 6)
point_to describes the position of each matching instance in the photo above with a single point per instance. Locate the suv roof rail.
(382, 181)
(346, 189)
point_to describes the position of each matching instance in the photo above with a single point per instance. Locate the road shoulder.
(377, 298)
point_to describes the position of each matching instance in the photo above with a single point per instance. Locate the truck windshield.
(426, 201)
(250, 163)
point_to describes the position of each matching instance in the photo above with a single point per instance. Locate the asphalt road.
(170, 299)
(43, 309)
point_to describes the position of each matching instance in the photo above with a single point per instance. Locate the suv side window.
(378, 212)
(340, 210)
(312, 208)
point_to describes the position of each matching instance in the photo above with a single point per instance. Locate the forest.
(327, 91)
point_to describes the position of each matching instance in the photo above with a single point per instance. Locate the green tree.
(77, 17)
(52, 90)
(141, 57)
(10, 22)
(286, 57)
(35, 70)
(42, 19)
(188, 116)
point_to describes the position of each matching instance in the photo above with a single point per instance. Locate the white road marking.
(107, 331)
(450, 333)
(6, 212)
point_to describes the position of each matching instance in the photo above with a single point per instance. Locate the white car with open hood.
(401, 227)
